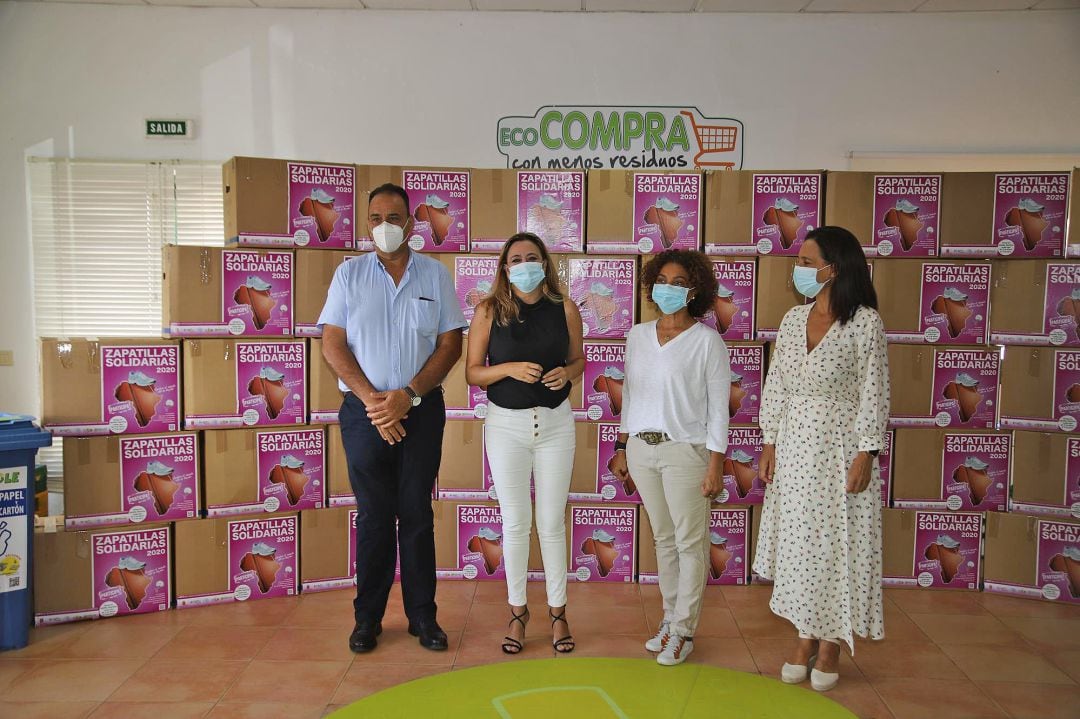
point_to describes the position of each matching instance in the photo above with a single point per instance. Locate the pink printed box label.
(1072, 475)
(667, 213)
(605, 290)
(551, 205)
(271, 382)
(1029, 214)
(608, 485)
(605, 364)
(975, 471)
(885, 468)
(321, 201)
(741, 483)
(262, 558)
(744, 401)
(352, 544)
(602, 543)
(954, 304)
(732, 313)
(479, 543)
(947, 549)
(292, 469)
(474, 276)
(131, 571)
(1067, 389)
(965, 388)
(906, 215)
(1058, 570)
(140, 388)
(257, 292)
(1061, 320)
(786, 208)
(440, 205)
(728, 560)
(159, 477)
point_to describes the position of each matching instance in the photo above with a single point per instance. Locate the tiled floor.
(951, 655)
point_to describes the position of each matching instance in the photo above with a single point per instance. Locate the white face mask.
(388, 237)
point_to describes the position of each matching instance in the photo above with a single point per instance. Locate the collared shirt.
(391, 329)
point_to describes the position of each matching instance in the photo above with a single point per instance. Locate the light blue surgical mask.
(805, 279)
(527, 276)
(670, 298)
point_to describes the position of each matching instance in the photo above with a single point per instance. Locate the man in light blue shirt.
(391, 332)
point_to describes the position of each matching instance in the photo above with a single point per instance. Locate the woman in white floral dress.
(824, 412)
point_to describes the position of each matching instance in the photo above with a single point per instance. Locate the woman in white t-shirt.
(673, 434)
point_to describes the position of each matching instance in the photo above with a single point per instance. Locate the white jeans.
(537, 443)
(668, 477)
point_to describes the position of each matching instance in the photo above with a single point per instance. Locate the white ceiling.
(670, 6)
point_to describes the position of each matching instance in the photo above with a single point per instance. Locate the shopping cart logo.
(620, 138)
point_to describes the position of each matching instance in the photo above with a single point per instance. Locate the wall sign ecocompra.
(616, 137)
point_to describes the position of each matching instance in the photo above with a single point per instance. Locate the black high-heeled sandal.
(566, 644)
(511, 645)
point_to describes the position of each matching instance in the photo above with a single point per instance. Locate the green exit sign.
(169, 128)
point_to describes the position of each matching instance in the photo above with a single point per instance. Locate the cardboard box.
(453, 558)
(609, 488)
(603, 380)
(1046, 474)
(225, 560)
(325, 394)
(1072, 239)
(776, 294)
(493, 212)
(939, 550)
(885, 467)
(131, 479)
(281, 203)
(439, 199)
(327, 549)
(1030, 211)
(644, 212)
(1036, 302)
(551, 205)
(1039, 389)
(338, 488)
(312, 276)
(231, 383)
(747, 382)
(741, 483)
(474, 276)
(603, 543)
(943, 387)
(605, 290)
(102, 573)
(215, 292)
(1032, 558)
(461, 474)
(911, 368)
(895, 215)
(117, 386)
(953, 306)
(252, 471)
(765, 213)
(947, 470)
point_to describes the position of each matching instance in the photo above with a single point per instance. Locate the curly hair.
(699, 269)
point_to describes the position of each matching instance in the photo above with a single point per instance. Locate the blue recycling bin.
(19, 442)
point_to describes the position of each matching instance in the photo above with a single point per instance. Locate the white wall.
(429, 88)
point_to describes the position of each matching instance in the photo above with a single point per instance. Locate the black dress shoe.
(430, 634)
(363, 637)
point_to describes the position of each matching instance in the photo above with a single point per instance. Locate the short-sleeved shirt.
(391, 329)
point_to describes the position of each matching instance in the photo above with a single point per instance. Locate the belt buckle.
(652, 438)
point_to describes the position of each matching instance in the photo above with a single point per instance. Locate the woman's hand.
(528, 372)
(858, 477)
(556, 379)
(619, 468)
(713, 483)
(767, 463)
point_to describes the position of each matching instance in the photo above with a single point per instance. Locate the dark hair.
(702, 279)
(389, 188)
(501, 299)
(851, 285)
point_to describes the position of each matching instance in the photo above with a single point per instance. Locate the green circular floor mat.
(597, 689)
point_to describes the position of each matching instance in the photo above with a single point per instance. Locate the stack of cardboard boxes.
(209, 467)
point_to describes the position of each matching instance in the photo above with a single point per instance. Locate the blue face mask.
(527, 276)
(669, 298)
(805, 279)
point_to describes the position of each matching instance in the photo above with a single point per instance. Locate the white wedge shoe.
(796, 673)
(823, 681)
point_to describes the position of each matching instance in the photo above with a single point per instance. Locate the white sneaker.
(676, 650)
(657, 643)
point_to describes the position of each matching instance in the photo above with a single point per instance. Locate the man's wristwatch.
(413, 396)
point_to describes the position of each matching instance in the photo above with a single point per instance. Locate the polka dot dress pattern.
(819, 545)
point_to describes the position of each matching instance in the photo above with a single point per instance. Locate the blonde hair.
(501, 302)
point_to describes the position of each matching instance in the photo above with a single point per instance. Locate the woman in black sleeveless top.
(525, 348)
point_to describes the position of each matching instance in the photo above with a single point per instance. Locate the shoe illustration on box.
(784, 216)
(724, 308)
(1070, 307)
(140, 392)
(270, 386)
(320, 205)
(735, 399)
(964, 389)
(476, 295)
(130, 574)
(953, 304)
(290, 471)
(600, 303)
(1028, 215)
(611, 384)
(946, 551)
(545, 219)
(488, 543)
(739, 465)
(157, 479)
(435, 212)
(602, 546)
(255, 293)
(973, 473)
(718, 555)
(905, 217)
(629, 488)
(665, 215)
(261, 560)
(1069, 563)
